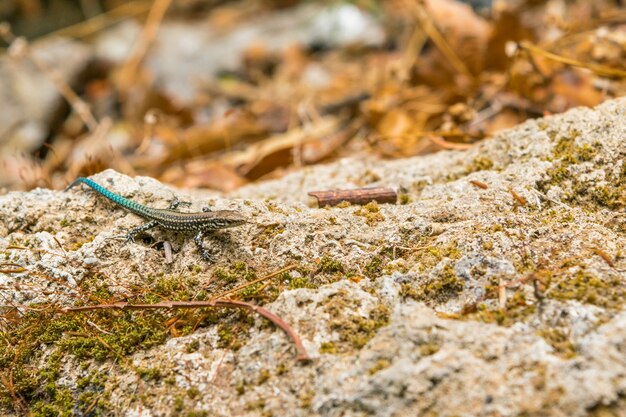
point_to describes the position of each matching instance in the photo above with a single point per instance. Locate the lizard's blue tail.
(116, 198)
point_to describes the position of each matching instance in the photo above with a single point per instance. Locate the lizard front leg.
(204, 252)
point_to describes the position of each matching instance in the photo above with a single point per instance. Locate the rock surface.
(462, 300)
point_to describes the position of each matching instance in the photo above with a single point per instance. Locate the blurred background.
(217, 94)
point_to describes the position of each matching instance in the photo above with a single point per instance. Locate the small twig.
(15, 247)
(502, 299)
(421, 15)
(302, 354)
(98, 328)
(605, 256)
(129, 70)
(15, 268)
(448, 145)
(256, 281)
(167, 248)
(520, 200)
(20, 48)
(479, 184)
(356, 196)
(596, 68)
(545, 197)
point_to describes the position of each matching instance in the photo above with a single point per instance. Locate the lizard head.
(227, 218)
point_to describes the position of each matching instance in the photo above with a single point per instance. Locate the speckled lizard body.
(199, 222)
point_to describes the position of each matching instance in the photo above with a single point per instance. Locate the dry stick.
(102, 21)
(302, 354)
(19, 48)
(479, 184)
(598, 69)
(448, 145)
(131, 66)
(15, 268)
(520, 200)
(421, 15)
(605, 256)
(247, 284)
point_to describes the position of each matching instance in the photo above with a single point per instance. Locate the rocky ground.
(495, 287)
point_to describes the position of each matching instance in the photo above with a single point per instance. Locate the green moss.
(299, 282)
(379, 366)
(197, 413)
(241, 387)
(328, 347)
(179, 403)
(329, 265)
(517, 310)
(559, 341)
(193, 392)
(61, 403)
(225, 276)
(268, 234)
(281, 369)
(374, 268)
(192, 346)
(264, 376)
(272, 207)
(355, 331)
(371, 212)
(149, 374)
(428, 349)
(306, 398)
(96, 335)
(233, 334)
(440, 289)
(479, 163)
(238, 272)
(408, 291)
(584, 287)
(404, 199)
(64, 222)
(585, 192)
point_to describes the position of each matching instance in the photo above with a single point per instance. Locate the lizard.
(199, 223)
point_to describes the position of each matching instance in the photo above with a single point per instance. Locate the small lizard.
(170, 219)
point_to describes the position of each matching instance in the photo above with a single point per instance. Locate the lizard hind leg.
(206, 254)
(175, 202)
(130, 236)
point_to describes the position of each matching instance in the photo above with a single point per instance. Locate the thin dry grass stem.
(150, 122)
(249, 156)
(601, 70)
(92, 405)
(102, 21)
(412, 51)
(6, 379)
(520, 200)
(441, 142)
(20, 48)
(13, 268)
(256, 281)
(129, 70)
(502, 298)
(302, 354)
(479, 184)
(420, 14)
(605, 256)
